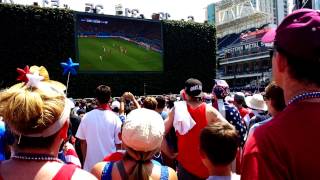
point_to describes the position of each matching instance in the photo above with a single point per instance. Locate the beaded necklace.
(35, 157)
(303, 96)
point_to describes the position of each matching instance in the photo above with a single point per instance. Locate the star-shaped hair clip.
(34, 79)
(23, 74)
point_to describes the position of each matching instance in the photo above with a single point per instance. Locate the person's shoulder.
(90, 114)
(260, 136)
(231, 107)
(211, 109)
(98, 168)
(213, 114)
(2, 126)
(110, 113)
(172, 174)
(82, 174)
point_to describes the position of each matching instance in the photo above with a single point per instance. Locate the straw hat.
(256, 102)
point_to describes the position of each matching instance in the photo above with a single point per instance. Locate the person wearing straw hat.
(274, 100)
(287, 147)
(259, 109)
(37, 112)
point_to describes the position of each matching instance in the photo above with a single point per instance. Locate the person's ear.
(204, 159)
(281, 62)
(202, 154)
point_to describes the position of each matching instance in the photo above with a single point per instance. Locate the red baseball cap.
(298, 35)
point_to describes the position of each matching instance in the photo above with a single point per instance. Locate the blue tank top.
(107, 170)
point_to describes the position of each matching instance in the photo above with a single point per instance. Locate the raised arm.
(133, 99)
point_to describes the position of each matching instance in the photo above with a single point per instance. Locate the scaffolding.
(235, 16)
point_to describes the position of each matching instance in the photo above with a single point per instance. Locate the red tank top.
(65, 172)
(189, 144)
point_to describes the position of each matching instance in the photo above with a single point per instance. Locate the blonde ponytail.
(28, 109)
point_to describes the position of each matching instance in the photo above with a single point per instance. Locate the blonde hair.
(45, 74)
(29, 110)
(140, 170)
(150, 103)
(42, 72)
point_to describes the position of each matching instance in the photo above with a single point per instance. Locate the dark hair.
(275, 94)
(171, 101)
(161, 102)
(219, 141)
(76, 103)
(301, 69)
(103, 94)
(239, 100)
(116, 109)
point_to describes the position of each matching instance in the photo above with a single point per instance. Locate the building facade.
(311, 4)
(317, 4)
(210, 13)
(243, 60)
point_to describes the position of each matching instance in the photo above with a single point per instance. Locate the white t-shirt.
(232, 177)
(100, 129)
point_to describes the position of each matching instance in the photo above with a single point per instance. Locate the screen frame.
(92, 15)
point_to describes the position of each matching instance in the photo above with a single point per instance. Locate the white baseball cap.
(143, 130)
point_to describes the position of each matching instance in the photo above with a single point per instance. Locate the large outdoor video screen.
(118, 44)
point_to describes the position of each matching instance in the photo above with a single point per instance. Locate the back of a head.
(142, 135)
(30, 111)
(220, 89)
(171, 101)
(161, 102)
(193, 88)
(103, 94)
(150, 103)
(297, 38)
(275, 93)
(239, 98)
(115, 106)
(143, 130)
(219, 141)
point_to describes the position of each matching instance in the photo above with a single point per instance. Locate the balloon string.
(67, 83)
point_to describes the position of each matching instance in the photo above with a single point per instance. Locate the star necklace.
(304, 96)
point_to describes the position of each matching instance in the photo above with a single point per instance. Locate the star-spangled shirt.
(233, 117)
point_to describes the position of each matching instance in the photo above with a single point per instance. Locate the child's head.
(219, 143)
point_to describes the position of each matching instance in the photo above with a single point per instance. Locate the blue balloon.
(69, 66)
